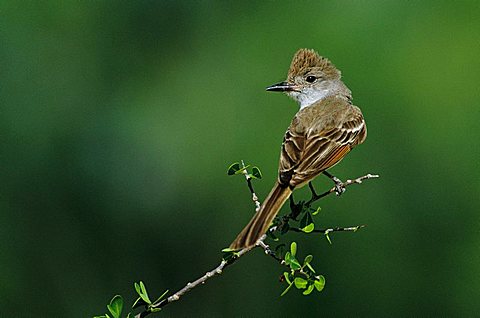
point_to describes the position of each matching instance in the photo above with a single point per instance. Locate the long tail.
(260, 222)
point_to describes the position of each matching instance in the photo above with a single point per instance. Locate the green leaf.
(116, 305)
(138, 303)
(300, 283)
(234, 167)
(310, 267)
(155, 309)
(160, 298)
(288, 256)
(286, 290)
(308, 259)
(308, 290)
(320, 283)
(256, 173)
(309, 228)
(137, 288)
(242, 169)
(294, 264)
(306, 220)
(328, 238)
(287, 277)
(293, 248)
(316, 211)
(142, 292)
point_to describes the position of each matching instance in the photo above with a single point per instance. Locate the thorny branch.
(260, 243)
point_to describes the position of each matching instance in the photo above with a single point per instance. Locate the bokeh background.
(118, 121)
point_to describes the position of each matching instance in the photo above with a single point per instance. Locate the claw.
(339, 185)
(339, 188)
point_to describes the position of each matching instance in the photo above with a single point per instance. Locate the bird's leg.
(295, 208)
(339, 186)
(312, 189)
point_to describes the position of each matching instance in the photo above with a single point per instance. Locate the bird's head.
(310, 78)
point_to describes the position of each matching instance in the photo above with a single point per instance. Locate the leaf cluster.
(116, 304)
(301, 275)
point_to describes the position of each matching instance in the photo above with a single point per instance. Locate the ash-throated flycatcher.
(323, 131)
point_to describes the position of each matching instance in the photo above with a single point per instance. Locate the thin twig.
(267, 249)
(200, 281)
(250, 187)
(329, 230)
(359, 180)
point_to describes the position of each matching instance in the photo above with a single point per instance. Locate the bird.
(324, 130)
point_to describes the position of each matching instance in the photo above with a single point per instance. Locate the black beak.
(281, 87)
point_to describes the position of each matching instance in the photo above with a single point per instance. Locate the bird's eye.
(310, 78)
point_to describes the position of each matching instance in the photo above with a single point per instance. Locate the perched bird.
(325, 128)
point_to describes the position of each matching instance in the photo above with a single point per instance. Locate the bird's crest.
(306, 59)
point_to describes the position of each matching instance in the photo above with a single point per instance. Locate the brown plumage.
(323, 131)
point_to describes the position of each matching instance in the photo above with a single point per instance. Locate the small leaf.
(116, 305)
(320, 283)
(293, 248)
(316, 211)
(256, 173)
(287, 258)
(328, 238)
(286, 290)
(242, 170)
(160, 298)
(308, 290)
(155, 309)
(143, 293)
(308, 259)
(138, 303)
(287, 277)
(306, 220)
(137, 288)
(234, 167)
(294, 264)
(300, 283)
(310, 267)
(309, 228)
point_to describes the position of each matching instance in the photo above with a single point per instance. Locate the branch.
(200, 281)
(330, 230)
(359, 180)
(260, 243)
(250, 187)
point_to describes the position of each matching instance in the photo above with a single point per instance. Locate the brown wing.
(306, 154)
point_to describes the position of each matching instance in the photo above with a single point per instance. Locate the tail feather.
(260, 222)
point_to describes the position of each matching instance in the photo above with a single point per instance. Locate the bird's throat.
(310, 96)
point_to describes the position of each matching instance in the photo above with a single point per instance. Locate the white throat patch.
(309, 96)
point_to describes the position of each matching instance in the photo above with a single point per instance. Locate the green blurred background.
(119, 119)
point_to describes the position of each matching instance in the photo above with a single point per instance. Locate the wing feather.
(307, 153)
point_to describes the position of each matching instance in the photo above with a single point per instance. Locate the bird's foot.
(339, 187)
